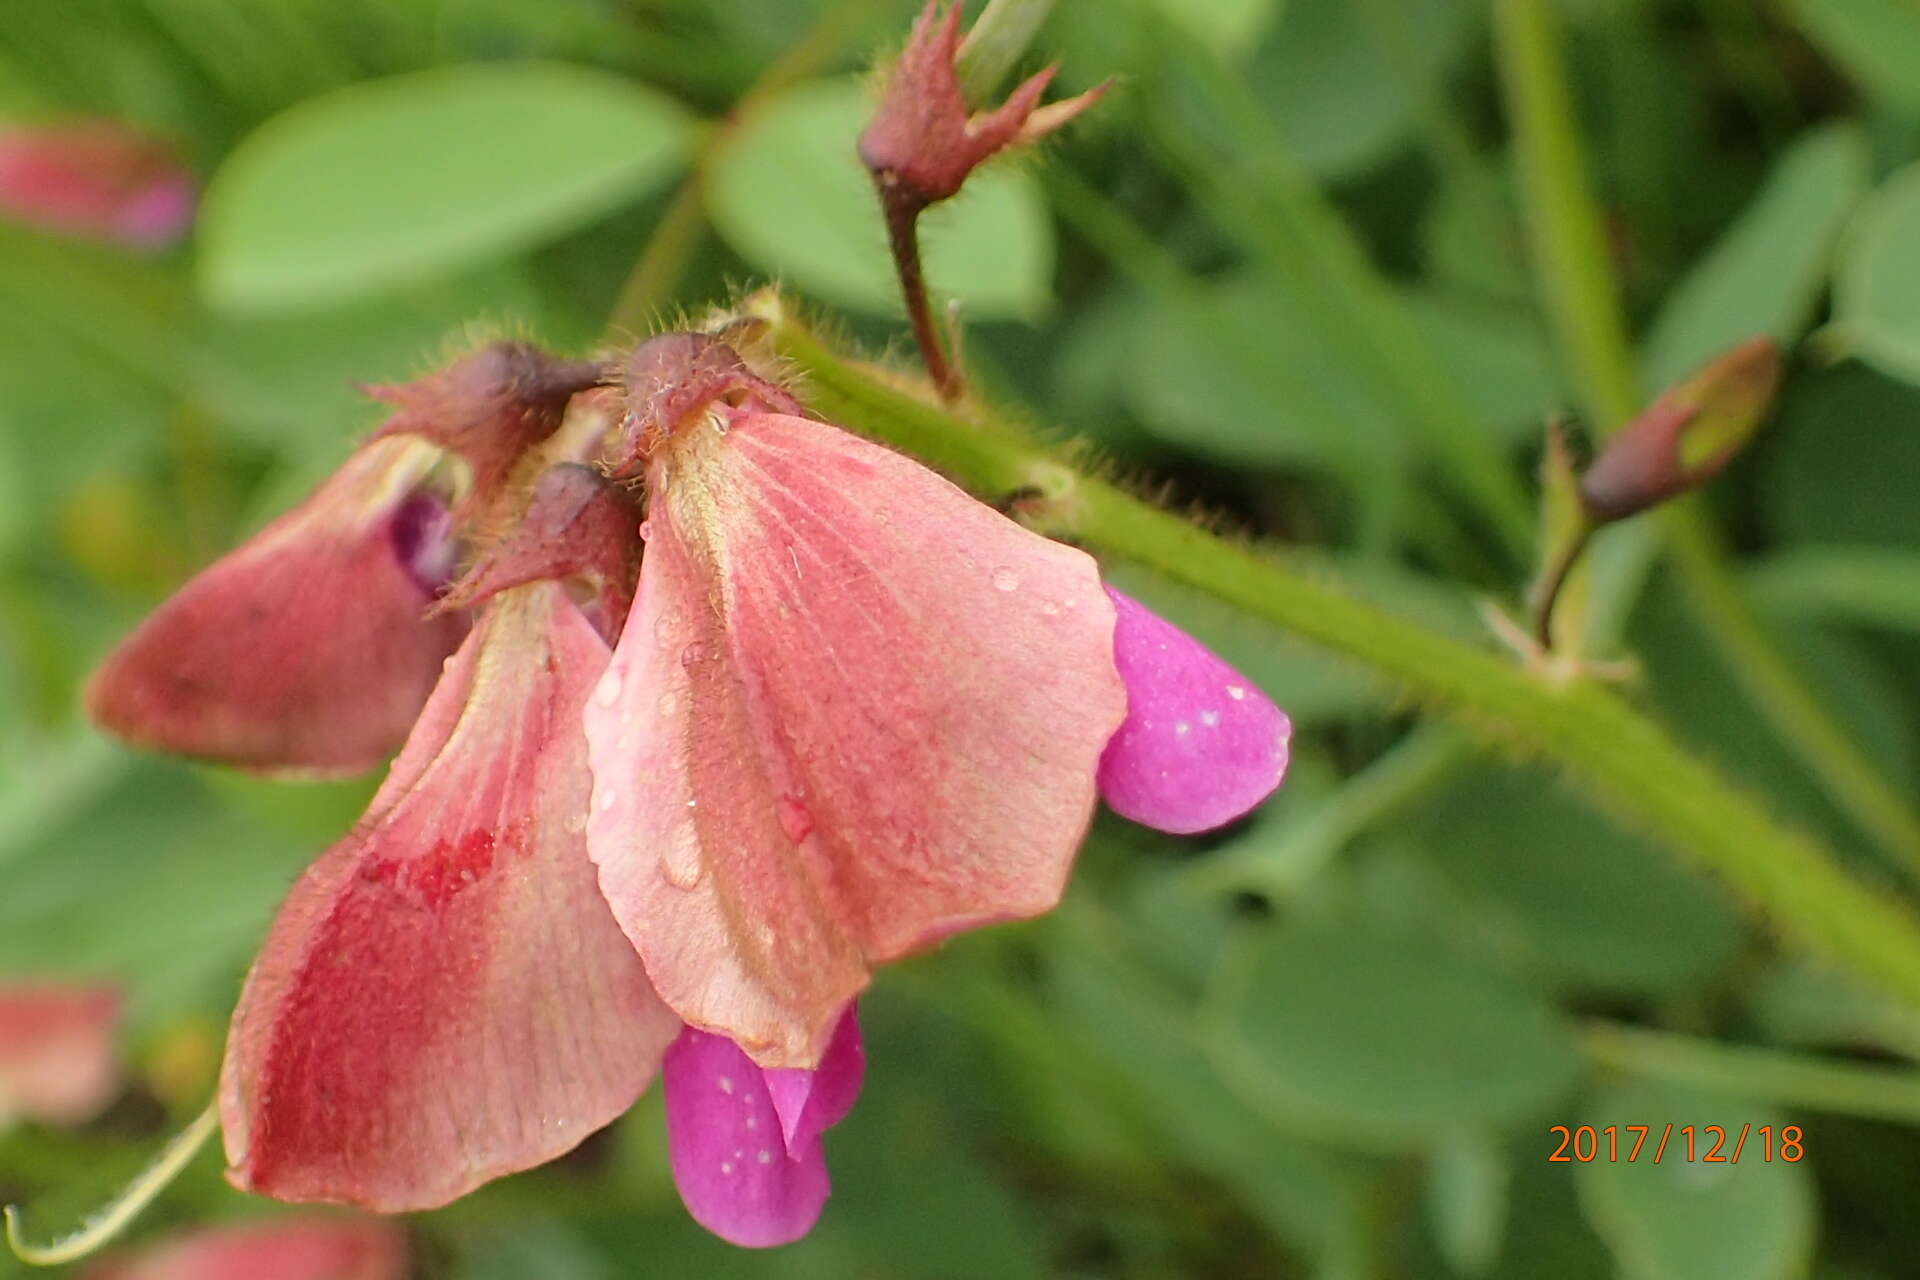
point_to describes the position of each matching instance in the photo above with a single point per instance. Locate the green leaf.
(1386, 1042)
(1766, 272)
(1877, 42)
(790, 195)
(1838, 464)
(1683, 1219)
(1583, 902)
(392, 180)
(1876, 290)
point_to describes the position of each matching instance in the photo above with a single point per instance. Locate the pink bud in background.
(308, 648)
(57, 1059)
(746, 1140)
(98, 179)
(289, 1248)
(1201, 745)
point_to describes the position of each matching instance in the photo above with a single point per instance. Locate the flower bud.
(1687, 436)
(923, 142)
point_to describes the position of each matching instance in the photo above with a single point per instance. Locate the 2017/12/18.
(1584, 1144)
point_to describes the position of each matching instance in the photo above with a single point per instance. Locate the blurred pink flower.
(287, 1248)
(99, 179)
(58, 1063)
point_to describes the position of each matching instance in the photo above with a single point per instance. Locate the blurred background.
(1329, 1042)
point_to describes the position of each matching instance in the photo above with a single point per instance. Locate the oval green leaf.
(397, 179)
(1682, 1218)
(790, 195)
(1388, 1042)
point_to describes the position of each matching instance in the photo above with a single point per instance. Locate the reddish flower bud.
(1687, 435)
(308, 648)
(290, 1248)
(923, 141)
(57, 1058)
(490, 407)
(98, 179)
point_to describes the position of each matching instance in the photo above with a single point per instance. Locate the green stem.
(1765, 1075)
(1563, 219)
(997, 40)
(1611, 751)
(1583, 302)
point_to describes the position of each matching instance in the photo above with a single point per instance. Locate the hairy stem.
(1577, 280)
(902, 213)
(1606, 748)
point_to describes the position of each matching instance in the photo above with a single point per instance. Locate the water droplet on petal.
(666, 703)
(726, 1084)
(1210, 719)
(608, 691)
(1049, 608)
(681, 864)
(1236, 692)
(695, 653)
(607, 799)
(794, 818)
(1183, 729)
(726, 1166)
(765, 1156)
(882, 516)
(1005, 579)
(646, 530)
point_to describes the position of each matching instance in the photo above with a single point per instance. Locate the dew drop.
(608, 691)
(666, 703)
(607, 800)
(726, 1084)
(1049, 608)
(753, 1122)
(1182, 729)
(1211, 719)
(1236, 692)
(765, 1156)
(646, 530)
(794, 818)
(726, 1166)
(695, 653)
(882, 516)
(1005, 579)
(680, 865)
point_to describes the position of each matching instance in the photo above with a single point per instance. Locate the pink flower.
(849, 711)
(58, 1063)
(291, 1248)
(853, 711)
(98, 179)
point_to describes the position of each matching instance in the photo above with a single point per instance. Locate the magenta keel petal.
(731, 1161)
(811, 1102)
(1200, 745)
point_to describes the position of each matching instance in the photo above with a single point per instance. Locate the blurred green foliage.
(1328, 1042)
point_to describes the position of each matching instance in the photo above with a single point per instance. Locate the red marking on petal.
(930, 682)
(737, 1174)
(97, 179)
(1201, 744)
(307, 648)
(444, 997)
(288, 1248)
(58, 1063)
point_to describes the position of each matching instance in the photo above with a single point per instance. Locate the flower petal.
(738, 1177)
(307, 648)
(811, 1102)
(289, 1248)
(853, 711)
(58, 1062)
(1201, 744)
(444, 997)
